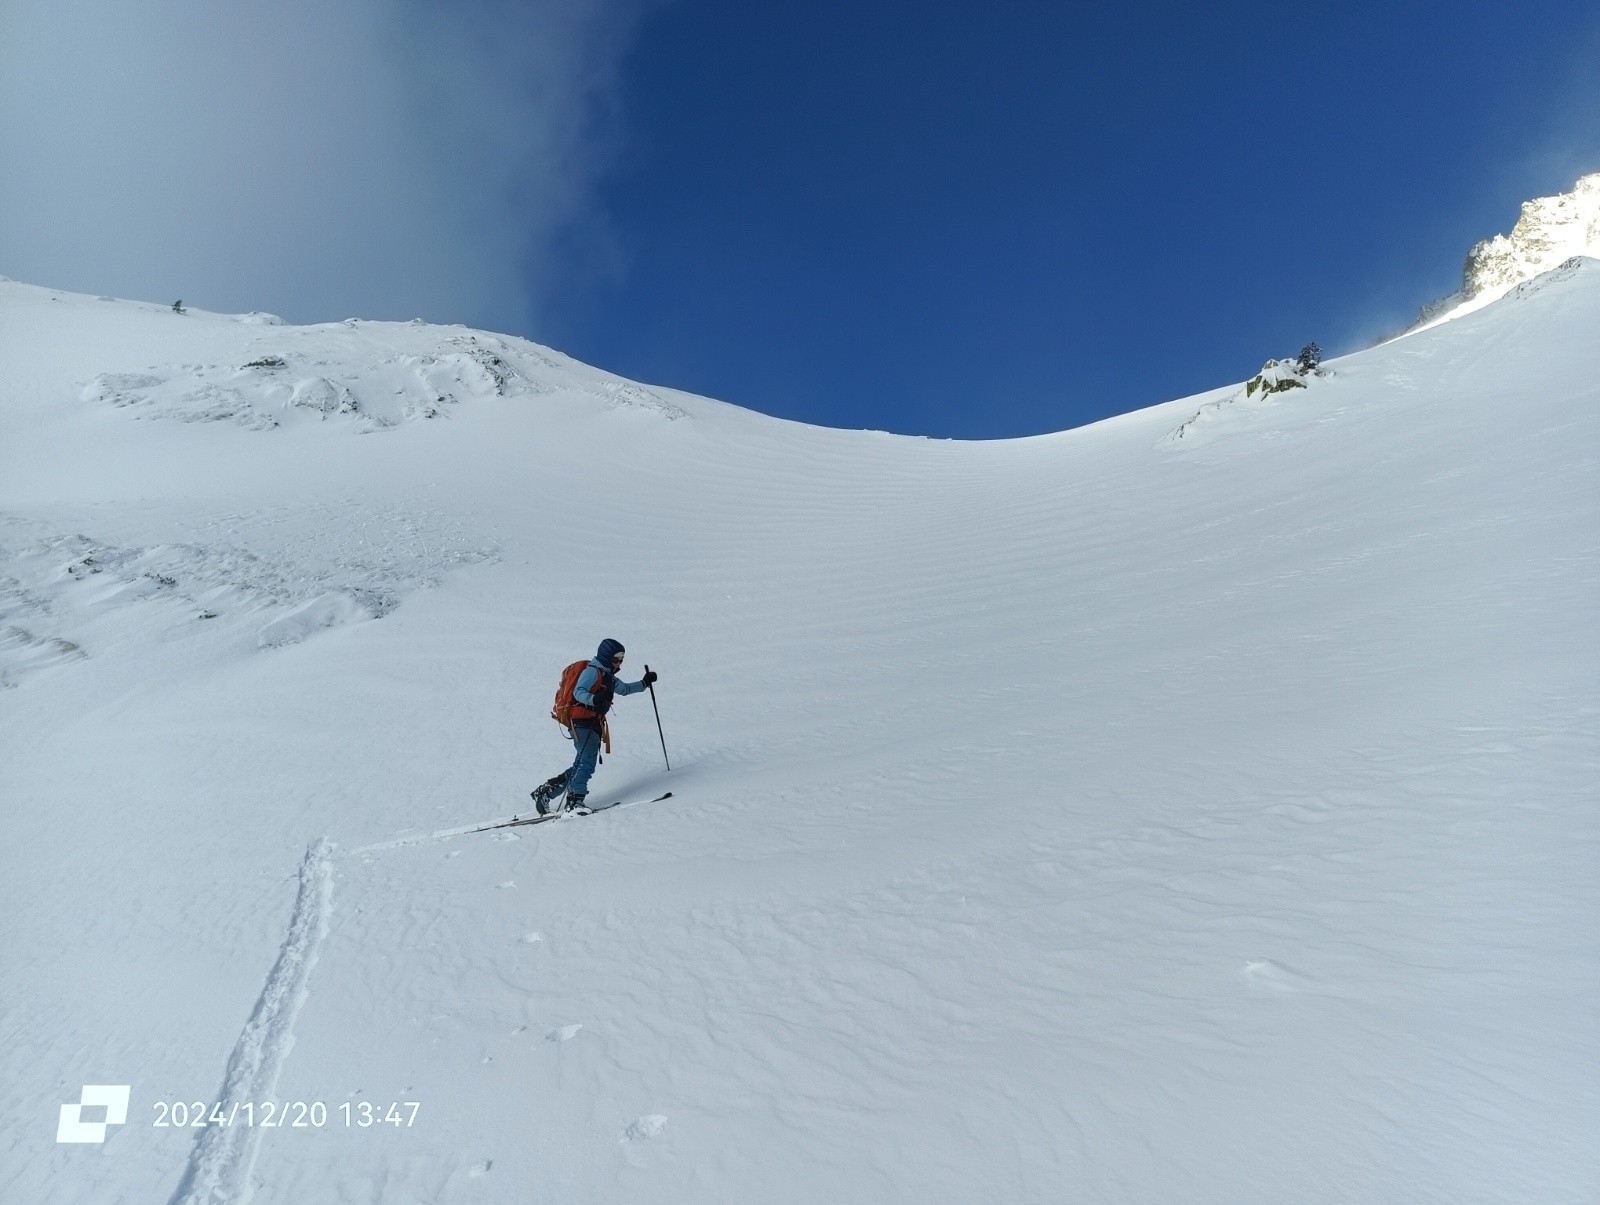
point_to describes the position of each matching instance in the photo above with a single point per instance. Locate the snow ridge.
(220, 1166)
(371, 376)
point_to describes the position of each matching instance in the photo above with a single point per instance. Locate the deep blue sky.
(1005, 218)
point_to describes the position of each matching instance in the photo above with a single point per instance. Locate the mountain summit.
(1550, 231)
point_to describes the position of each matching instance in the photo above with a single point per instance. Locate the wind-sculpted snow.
(317, 374)
(1565, 271)
(315, 568)
(22, 651)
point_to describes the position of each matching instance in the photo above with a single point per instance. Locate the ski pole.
(659, 733)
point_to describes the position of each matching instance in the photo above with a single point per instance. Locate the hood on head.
(608, 649)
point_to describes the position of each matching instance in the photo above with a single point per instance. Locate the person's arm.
(583, 690)
(633, 688)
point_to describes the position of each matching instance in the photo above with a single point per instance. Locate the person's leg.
(588, 742)
(551, 788)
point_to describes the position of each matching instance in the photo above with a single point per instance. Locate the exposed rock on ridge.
(1550, 231)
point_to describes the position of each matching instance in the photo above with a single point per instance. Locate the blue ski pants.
(587, 741)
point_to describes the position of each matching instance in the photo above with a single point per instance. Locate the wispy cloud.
(371, 157)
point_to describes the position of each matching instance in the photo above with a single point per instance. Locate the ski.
(629, 803)
(523, 821)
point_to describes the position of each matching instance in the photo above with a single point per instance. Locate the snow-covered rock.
(1217, 414)
(1549, 232)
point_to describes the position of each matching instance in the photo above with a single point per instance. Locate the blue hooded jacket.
(597, 674)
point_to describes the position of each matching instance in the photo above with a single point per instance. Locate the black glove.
(602, 699)
(650, 676)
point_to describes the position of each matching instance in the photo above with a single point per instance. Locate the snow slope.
(1107, 816)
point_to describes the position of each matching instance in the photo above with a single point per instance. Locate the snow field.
(1098, 816)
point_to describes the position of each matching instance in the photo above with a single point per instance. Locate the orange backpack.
(561, 713)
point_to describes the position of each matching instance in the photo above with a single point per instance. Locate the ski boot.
(545, 792)
(575, 804)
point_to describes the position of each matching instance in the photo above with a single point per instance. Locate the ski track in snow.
(224, 1156)
(220, 1167)
(427, 838)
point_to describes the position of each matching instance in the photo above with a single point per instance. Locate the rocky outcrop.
(1550, 231)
